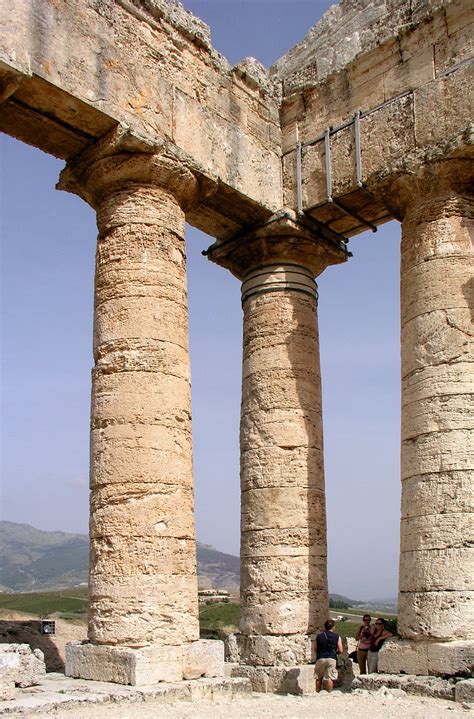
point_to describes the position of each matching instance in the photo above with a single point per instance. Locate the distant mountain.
(34, 560)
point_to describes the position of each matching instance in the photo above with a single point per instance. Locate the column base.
(426, 658)
(146, 665)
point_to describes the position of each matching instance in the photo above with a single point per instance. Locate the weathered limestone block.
(21, 666)
(464, 691)
(262, 679)
(437, 531)
(448, 492)
(438, 614)
(280, 507)
(204, 658)
(266, 466)
(422, 685)
(124, 665)
(297, 680)
(279, 650)
(454, 568)
(426, 658)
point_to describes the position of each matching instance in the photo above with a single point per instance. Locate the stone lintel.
(426, 658)
(286, 238)
(145, 665)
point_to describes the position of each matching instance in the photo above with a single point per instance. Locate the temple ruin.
(366, 120)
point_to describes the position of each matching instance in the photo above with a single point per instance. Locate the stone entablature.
(69, 76)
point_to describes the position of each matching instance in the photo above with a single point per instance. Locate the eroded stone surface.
(20, 666)
(204, 658)
(427, 657)
(124, 665)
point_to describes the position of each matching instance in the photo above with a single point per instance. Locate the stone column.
(284, 596)
(143, 584)
(436, 599)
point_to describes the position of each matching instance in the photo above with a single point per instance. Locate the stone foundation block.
(464, 691)
(424, 686)
(232, 649)
(124, 665)
(20, 665)
(427, 658)
(218, 688)
(203, 658)
(271, 651)
(297, 680)
(267, 680)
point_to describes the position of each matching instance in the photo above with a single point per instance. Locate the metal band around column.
(279, 278)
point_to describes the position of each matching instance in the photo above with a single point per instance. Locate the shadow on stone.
(29, 632)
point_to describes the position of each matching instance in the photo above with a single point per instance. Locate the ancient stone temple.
(366, 120)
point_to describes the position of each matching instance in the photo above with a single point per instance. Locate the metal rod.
(358, 158)
(355, 215)
(327, 156)
(299, 180)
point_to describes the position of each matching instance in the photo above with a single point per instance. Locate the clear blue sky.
(48, 244)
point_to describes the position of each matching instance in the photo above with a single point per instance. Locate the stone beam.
(412, 90)
(69, 74)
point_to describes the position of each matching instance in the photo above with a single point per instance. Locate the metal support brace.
(357, 149)
(327, 155)
(326, 136)
(299, 179)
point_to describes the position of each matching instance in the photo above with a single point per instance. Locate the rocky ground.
(384, 704)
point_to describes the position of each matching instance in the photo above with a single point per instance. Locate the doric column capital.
(284, 240)
(118, 161)
(433, 189)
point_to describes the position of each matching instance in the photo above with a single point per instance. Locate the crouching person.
(328, 646)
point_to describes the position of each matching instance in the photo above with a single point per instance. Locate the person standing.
(364, 636)
(328, 646)
(378, 638)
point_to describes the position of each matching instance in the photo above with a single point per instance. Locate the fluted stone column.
(143, 584)
(436, 599)
(284, 595)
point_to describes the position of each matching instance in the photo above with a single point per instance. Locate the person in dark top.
(328, 646)
(363, 637)
(378, 638)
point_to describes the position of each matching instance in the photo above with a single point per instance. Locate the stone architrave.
(143, 584)
(284, 596)
(437, 304)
